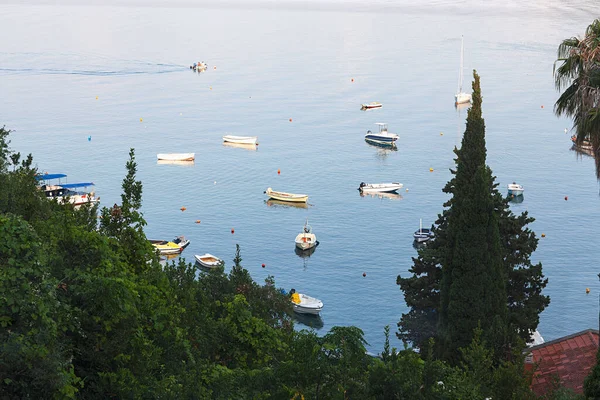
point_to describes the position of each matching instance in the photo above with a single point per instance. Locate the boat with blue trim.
(383, 137)
(66, 193)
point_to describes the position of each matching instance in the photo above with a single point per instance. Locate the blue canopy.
(76, 185)
(43, 177)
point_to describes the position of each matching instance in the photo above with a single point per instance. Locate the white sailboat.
(461, 97)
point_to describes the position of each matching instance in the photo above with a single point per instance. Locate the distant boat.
(306, 240)
(423, 234)
(181, 241)
(66, 193)
(461, 97)
(515, 189)
(283, 196)
(371, 105)
(240, 139)
(176, 156)
(167, 247)
(379, 187)
(304, 304)
(585, 146)
(208, 260)
(383, 136)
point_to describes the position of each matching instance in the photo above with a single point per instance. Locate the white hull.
(308, 305)
(208, 260)
(176, 156)
(283, 196)
(240, 139)
(306, 241)
(462, 98)
(380, 187)
(306, 310)
(515, 190)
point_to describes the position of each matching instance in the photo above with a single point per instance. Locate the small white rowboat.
(208, 260)
(295, 198)
(240, 139)
(304, 304)
(515, 189)
(176, 156)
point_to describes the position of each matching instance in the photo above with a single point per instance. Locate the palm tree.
(579, 76)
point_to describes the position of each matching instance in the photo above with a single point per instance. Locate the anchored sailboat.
(460, 97)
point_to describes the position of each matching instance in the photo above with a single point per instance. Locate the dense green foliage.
(477, 271)
(87, 311)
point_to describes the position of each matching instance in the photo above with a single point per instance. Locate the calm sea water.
(295, 76)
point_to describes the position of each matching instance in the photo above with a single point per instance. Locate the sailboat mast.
(460, 71)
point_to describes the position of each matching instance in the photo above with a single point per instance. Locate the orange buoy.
(587, 290)
(197, 221)
(278, 171)
(263, 265)
(183, 208)
(232, 231)
(215, 67)
(364, 274)
(141, 120)
(543, 235)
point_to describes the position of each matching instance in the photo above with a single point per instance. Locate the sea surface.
(81, 85)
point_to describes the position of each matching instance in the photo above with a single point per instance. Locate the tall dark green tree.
(478, 267)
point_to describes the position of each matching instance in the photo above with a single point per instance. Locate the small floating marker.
(141, 120)
(441, 133)
(210, 88)
(407, 190)
(364, 274)
(90, 138)
(232, 231)
(290, 120)
(543, 235)
(278, 171)
(430, 169)
(96, 97)
(565, 130)
(587, 290)
(180, 113)
(542, 106)
(566, 198)
(183, 209)
(197, 221)
(215, 183)
(352, 79)
(263, 265)
(215, 67)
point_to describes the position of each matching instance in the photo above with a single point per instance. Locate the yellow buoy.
(441, 133)
(96, 97)
(141, 120)
(430, 169)
(210, 88)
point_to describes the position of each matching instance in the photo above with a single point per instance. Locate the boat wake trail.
(78, 64)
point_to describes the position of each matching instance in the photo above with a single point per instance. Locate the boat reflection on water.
(249, 147)
(310, 320)
(182, 163)
(515, 199)
(276, 203)
(391, 196)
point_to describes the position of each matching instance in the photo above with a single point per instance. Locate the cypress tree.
(477, 269)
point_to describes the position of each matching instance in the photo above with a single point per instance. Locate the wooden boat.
(208, 260)
(304, 304)
(306, 240)
(379, 187)
(166, 247)
(292, 197)
(240, 139)
(176, 156)
(515, 189)
(371, 105)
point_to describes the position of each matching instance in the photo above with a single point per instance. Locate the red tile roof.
(568, 359)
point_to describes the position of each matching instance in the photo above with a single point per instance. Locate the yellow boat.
(166, 247)
(282, 196)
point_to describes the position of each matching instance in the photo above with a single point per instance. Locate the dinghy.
(240, 139)
(304, 304)
(208, 260)
(176, 156)
(283, 196)
(166, 247)
(515, 189)
(306, 240)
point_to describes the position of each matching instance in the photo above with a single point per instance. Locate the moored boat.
(283, 196)
(208, 260)
(166, 247)
(515, 189)
(304, 304)
(423, 234)
(461, 97)
(383, 137)
(176, 156)
(371, 105)
(181, 241)
(66, 193)
(379, 187)
(240, 139)
(306, 240)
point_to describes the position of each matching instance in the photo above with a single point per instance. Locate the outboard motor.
(362, 184)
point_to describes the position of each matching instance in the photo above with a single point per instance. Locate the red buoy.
(566, 197)
(232, 231)
(364, 274)
(263, 265)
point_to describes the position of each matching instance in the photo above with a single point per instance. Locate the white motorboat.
(461, 97)
(423, 234)
(369, 106)
(181, 241)
(515, 189)
(66, 193)
(306, 240)
(208, 260)
(304, 304)
(176, 156)
(283, 196)
(383, 136)
(240, 139)
(379, 187)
